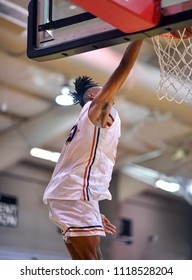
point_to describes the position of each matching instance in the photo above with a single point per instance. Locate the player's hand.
(108, 226)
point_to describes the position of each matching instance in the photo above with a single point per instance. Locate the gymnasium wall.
(153, 226)
(149, 225)
(35, 236)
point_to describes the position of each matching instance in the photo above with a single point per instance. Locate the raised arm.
(102, 103)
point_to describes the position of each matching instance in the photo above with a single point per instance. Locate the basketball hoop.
(174, 51)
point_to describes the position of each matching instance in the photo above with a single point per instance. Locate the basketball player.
(83, 172)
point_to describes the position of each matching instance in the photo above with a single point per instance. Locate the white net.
(175, 61)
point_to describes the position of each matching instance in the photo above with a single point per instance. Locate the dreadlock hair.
(82, 83)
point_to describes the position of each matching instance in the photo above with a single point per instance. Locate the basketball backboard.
(58, 28)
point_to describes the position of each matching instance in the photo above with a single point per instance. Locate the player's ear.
(91, 95)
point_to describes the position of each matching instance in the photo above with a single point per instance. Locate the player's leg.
(85, 247)
(70, 214)
(99, 253)
(73, 253)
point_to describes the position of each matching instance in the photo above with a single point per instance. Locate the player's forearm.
(103, 101)
(119, 76)
(130, 54)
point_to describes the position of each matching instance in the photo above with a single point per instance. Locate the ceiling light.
(65, 89)
(44, 154)
(4, 107)
(179, 154)
(167, 186)
(64, 99)
(189, 188)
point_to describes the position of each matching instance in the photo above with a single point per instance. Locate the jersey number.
(72, 133)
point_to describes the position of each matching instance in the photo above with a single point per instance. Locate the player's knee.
(90, 255)
(99, 253)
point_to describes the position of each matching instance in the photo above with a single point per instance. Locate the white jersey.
(85, 166)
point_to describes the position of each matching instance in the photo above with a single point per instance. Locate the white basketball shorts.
(76, 217)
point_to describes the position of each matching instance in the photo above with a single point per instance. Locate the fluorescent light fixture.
(167, 186)
(64, 99)
(189, 188)
(44, 154)
(65, 89)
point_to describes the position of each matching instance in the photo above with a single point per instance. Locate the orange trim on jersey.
(112, 120)
(109, 124)
(85, 230)
(88, 165)
(111, 117)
